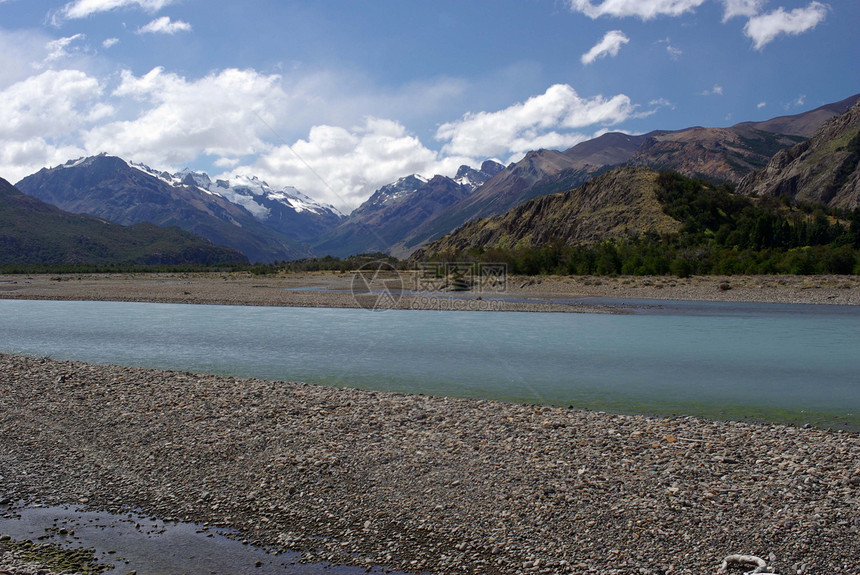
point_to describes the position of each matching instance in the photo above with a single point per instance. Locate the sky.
(340, 97)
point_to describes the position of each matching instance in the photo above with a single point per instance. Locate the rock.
(453, 485)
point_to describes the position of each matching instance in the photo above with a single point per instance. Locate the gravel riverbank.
(517, 294)
(429, 484)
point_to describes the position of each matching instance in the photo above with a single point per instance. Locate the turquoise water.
(774, 362)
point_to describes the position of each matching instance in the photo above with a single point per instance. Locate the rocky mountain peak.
(473, 179)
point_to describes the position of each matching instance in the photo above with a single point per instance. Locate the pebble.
(427, 484)
(333, 290)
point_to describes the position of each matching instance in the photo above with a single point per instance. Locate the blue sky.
(338, 98)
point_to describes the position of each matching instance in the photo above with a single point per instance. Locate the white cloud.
(741, 8)
(20, 52)
(53, 103)
(541, 120)
(110, 42)
(226, 162)
(717, 90)
(177, 120)
(761, 105)
(608, 46)
(57, 48)
(85, 8)
(798, 102)
(761, 28)
(661, 103)
(765, 28)
(164, 25)
(42, 117)
(673, 51)
(644, 9)
(20, 158)
(343, 166)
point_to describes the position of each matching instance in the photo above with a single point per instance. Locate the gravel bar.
(327, 289)
(429, 484)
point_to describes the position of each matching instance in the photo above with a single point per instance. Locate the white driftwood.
(760, 563)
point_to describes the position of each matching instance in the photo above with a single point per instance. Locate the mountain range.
(631, 202)
(34, 232)
(718, 154)
(268, 224)
(247, 216)
(393, 211)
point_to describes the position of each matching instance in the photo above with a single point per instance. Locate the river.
(784, 363)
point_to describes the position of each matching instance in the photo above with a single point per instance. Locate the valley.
(415, 213)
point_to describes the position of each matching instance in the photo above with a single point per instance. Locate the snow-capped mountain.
(381, 222)
(248, 190)
(473, 179)
(264, 224)
(286, 210)
(391, 194)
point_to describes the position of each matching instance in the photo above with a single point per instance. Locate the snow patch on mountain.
(244, 189)
(474, 179)
(245, 192)
(250, 192)
(405, 186)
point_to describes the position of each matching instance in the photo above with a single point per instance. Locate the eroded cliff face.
(825, 168)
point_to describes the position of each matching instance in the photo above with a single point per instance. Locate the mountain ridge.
(824, 169)
(270, 224)
(395, 209)
(113, 189)
(718, 154)
(33, 232)
(616, 204)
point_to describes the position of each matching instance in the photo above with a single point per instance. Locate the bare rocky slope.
(824, 169)
(616, 204)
